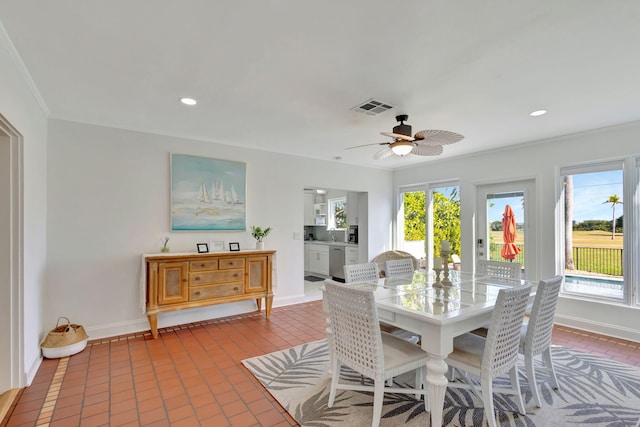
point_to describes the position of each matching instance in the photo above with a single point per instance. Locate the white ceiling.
(282, 75)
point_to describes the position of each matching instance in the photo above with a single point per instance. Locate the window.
(496, 210)
(594, 230)
(337, 213)
(427, 215)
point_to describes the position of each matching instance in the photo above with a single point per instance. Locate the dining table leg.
(437, 387)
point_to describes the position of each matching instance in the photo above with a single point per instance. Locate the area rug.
(593, 392)
(313, 279)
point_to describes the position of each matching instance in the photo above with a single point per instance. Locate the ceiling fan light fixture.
(402, 148)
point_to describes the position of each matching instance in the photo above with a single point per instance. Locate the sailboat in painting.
(234, 196)
(203, 195)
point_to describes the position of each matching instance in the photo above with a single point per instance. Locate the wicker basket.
(64, 340)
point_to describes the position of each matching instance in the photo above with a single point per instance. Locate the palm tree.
(568, 222)
(614, 200)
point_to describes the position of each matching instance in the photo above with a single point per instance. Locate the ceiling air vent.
(372, 107)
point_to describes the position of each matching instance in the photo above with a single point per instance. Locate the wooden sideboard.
(181, 281)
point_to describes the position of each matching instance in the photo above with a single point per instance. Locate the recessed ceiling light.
(188, 101)
(537, 113)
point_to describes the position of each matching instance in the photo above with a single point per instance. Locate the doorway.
(493, 202)
(11, 243)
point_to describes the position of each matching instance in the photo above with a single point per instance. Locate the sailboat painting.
(207, 194)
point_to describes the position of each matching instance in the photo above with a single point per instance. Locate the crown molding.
(22, 69)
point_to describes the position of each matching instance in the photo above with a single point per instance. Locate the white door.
(11, 244)
(491, 205)
(5, 265)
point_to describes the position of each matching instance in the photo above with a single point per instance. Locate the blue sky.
(591, 190)
(497, 209)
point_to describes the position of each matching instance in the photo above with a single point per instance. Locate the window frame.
(331, 213)
(630, 168)
(427, 188)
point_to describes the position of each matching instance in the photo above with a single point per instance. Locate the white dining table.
(420, 304)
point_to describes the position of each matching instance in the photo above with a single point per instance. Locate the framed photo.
(207, 194)
(234, 246)
(203, 248)
(217, 246)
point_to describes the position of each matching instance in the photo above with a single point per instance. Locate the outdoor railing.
(606, 261)
(496, 250)
(598, 260)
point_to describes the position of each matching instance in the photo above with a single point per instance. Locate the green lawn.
(603, 261)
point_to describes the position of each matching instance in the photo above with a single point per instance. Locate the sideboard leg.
(259, 302)
(153, 323)
(269, 303)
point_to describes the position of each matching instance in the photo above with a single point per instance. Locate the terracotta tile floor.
(192, 375)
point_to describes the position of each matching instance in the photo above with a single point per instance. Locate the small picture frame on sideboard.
(234, 246)
(203, 248)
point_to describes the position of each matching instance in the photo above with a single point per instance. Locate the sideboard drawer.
(204, 264)
(215, 291)
(231, 263)
(216, 276)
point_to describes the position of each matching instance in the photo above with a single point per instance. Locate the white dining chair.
(499, 269)
(359, 344)
(504, 270)
(497, 354)
(535, 337)
(369, 271)
(398, 267)
(361, 272)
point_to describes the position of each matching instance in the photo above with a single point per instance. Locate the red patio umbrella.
(509, 249)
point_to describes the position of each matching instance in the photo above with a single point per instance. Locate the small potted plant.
(164, 247)
(259, 234)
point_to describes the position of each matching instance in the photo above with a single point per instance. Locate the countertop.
(330, 243)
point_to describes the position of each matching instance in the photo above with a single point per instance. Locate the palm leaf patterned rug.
(593, 392)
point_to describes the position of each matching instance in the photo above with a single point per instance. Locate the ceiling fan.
(424, 143)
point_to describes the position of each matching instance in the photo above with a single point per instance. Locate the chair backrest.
(505, 270)
(381, 258)
(357, 340)
(503, 335)
(538, 337)
(361, 272)
(398, 267)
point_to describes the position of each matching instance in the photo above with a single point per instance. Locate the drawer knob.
(201, 265)
(197, 278)
(235, 289)
(235, 275)
(197, 293)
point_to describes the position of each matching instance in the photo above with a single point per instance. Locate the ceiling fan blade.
(437, 137)
(367, 145)
(382, 154)
(427, 150)
(397, 136)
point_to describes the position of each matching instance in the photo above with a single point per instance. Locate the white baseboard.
(184, 316)
(296, 299)
(32, 370)
(599, 328)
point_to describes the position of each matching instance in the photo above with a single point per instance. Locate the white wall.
(21, 108)
(541, 161)
(108, 203)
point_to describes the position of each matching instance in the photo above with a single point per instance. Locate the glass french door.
(428, 214)
(507, 200)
